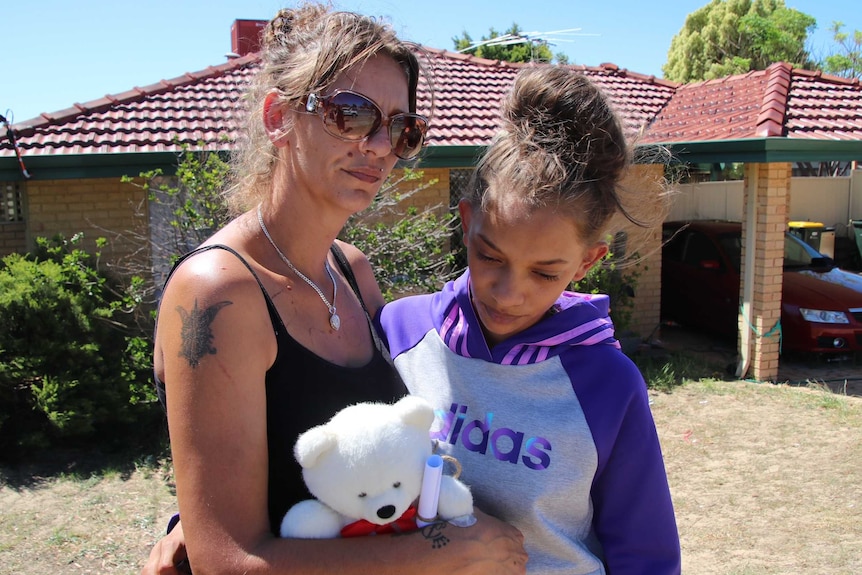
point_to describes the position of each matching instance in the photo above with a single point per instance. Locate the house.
(767, 119)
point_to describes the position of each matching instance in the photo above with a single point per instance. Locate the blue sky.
(58, 52)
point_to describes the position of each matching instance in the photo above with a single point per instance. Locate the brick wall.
(95, 207)
(771, 184)
(13, 238)
(646, 182)
(435, 189)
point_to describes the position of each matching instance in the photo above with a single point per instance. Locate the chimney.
(245, 37)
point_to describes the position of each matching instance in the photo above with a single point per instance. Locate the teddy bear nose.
(386, 511)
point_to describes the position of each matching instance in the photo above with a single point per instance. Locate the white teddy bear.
(367, 463)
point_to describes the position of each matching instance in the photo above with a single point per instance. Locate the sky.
(58, 52)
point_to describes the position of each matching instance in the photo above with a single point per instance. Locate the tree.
(530, 50)
(847, 62)
(736, 36)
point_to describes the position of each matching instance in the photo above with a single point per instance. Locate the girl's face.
(520, 263)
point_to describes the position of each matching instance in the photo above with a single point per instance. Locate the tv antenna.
(533, 38)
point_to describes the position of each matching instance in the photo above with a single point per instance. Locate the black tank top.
(304, 390)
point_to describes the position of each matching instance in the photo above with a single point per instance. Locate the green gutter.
(763, 150)
(79, 166)
(766, 150)
(449, 157)
(70, 167)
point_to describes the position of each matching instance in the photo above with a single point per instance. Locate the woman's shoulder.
(213, 300)
(213, 270)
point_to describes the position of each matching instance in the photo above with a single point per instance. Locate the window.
(12, 211)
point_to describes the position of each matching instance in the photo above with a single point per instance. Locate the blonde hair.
(304, 50)
(560, 145)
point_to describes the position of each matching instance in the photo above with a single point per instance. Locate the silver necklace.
(334, 320)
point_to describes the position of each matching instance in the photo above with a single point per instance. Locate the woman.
(262, 333)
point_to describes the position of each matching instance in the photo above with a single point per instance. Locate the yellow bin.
(808, 232)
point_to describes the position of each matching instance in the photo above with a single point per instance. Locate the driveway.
(841, 374)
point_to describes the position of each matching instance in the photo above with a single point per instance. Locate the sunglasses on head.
(353, 117)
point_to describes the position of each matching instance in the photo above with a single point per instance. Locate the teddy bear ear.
(415, 411)
(312, 444)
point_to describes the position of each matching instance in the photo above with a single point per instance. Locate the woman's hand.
(490, 546)
(168, 556)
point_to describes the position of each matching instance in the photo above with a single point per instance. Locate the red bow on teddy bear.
(405, 523)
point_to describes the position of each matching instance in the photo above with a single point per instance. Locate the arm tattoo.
(197, 334)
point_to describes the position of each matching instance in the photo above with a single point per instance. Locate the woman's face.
(347, 174)
(520, 263)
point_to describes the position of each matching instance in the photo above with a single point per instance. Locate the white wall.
(832, 201)
(707, 201)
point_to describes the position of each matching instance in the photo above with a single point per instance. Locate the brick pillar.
(648, 182)
(769, 184)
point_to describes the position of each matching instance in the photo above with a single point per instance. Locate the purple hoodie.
(552, 427)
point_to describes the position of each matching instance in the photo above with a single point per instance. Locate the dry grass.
(63, 517)
(766, 479)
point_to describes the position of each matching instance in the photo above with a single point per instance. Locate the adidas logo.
(479, 436)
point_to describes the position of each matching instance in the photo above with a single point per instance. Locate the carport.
(768, 120)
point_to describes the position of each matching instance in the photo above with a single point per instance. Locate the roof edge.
(603, 67)
(77, 166)
(764, 150)
(25, 127)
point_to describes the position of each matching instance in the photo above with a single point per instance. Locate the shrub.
(409, 249)
(608, 278)
(72, 363)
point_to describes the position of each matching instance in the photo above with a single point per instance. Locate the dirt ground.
(766, 479)
(839, 372)
(62, 517)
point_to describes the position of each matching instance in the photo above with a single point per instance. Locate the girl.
(549, 419)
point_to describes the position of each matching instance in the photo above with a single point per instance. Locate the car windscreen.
(798, 254)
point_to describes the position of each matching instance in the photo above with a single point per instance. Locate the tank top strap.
(277, 324)
(345, 268)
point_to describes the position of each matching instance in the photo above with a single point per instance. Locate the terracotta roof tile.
(723, 109)
(777, 102)
(824, 107)
(202, 107)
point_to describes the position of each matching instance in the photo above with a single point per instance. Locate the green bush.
(73, 362)
(409, 249)
(606, 277)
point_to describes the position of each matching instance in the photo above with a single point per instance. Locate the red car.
(821, 305)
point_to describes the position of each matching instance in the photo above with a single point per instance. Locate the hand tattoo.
(434, 532)
(197, 334)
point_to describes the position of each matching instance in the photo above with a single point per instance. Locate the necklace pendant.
(335, 321)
